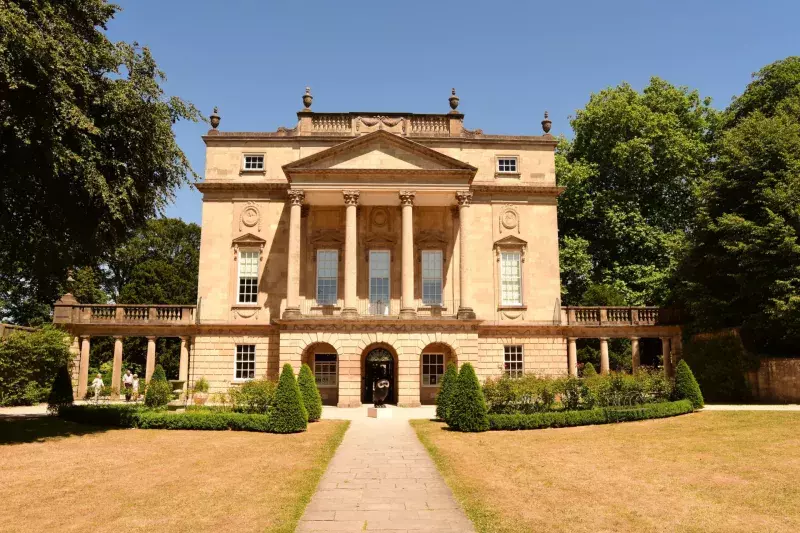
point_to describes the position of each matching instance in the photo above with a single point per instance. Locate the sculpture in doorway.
(381, 389)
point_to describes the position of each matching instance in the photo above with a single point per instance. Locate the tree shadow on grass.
(22, 429)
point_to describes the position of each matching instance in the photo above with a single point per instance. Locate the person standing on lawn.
(136, 387)
(127, 381)
(97, 385)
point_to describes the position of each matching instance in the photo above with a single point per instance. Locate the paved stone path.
(382, 479)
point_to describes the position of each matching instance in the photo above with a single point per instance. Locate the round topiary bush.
(445, 395)
(288, 414)
(158, 390)
(686, 387)
(61, 391)
(310, 393)
(468, 406)
(588, 370)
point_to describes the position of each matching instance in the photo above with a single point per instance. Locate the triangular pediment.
(510, 242)
(379, 150)
(248, 238)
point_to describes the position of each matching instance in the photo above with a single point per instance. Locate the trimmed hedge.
(61, 391)
(310, 393)
(445, 396)
(586, 417)
(129, 416)
(158, 391)
(686, 387)
(468, 407)
(289, 415)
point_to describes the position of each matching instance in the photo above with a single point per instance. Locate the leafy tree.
(30, 358)
(686, 387)
(61, 391)
(468, 406)
(158, 391)
(310, 393)
(743, 268)
(445, 396)
(588, 370)
(288, 414)
(86, 144)
(630, 173)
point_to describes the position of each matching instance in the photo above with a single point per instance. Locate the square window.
(432, 368)
(507, 165)
(245, 362)
(513, 366)
(325, 369)
(253, 162)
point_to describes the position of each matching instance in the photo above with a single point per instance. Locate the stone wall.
(776, 381)
(213, 357)
(543, 356)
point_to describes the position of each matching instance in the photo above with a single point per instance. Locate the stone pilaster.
(83, 371)
(150, 365)
(407, 308)
(296, 198)
(572, 356)
(116, 373)
(464, 308)
(350, 253)
(636, 358)
(604, 364)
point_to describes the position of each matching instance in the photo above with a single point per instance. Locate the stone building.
(373, 244)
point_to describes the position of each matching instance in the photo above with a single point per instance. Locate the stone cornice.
(242, 136)
(533, 190)
(220, 185)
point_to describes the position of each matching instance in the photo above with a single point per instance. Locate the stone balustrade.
(618, 316)
(124, 314)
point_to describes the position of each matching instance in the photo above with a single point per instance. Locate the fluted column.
(666, 356)
(83, 368)
(293, 273)
(350, 253)
(572, 356)
(604, 365)
(464, 308)
(150, 365)
(407, 308)
(183, 366)
(116, 372)
(636, 358)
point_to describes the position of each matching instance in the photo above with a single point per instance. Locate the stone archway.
(379, 360)
(324, 361)
(433, 361)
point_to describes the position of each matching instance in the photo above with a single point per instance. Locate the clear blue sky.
(509, 61)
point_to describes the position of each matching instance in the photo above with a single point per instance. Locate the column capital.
(407, 197)
(151, 338)
(118, 337)
(84, 337)
(464, 198)
(296, 196)
(572, 339)
(634, 338)
(185, 338)
(351, 197)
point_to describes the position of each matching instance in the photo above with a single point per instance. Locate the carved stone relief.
(250, 217)
(508, 221)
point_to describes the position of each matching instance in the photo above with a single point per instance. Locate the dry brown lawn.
(60, 476)
(708, 471)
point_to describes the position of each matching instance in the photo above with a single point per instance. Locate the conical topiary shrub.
(445, 395)
(588, 370)
(468, 406)
(61, 392)
(288, 414)
(310, 393)
(686, 387)
(158, 390)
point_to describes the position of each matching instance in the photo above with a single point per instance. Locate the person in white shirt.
(127, 381)
(97, 385)
(135, 387)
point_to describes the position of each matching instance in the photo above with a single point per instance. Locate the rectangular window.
(432, 277)
(245, 361)
(379, 282)
(507, 165)
(432, 368)
(253, 162)
(325, 369)
(248, 277)
(327, 276)
(512, 361)
(510, 278)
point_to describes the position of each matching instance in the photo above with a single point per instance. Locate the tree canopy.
(86, 144)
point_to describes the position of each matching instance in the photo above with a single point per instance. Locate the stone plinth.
(379, 412)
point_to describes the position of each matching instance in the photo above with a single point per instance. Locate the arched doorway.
(379, 363)
(324, 362)
(433, 362)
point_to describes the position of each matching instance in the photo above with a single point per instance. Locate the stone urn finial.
(214, 118)
(307, 99)
(453, 101)
(546, 123)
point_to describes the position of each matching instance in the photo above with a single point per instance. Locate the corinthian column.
(350, 256)
(407, 309)
(293, 273)
(464, 309)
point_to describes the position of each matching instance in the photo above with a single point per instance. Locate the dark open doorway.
(378, 364)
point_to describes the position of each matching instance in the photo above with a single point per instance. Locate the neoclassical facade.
(374, 244)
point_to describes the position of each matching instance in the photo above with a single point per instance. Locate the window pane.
(513, 360)
(327, 276)
(379, 282)
(248, 276)
(432, 368)
(245, 367)
(432, 277)
(325, 369)
(510, 278)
